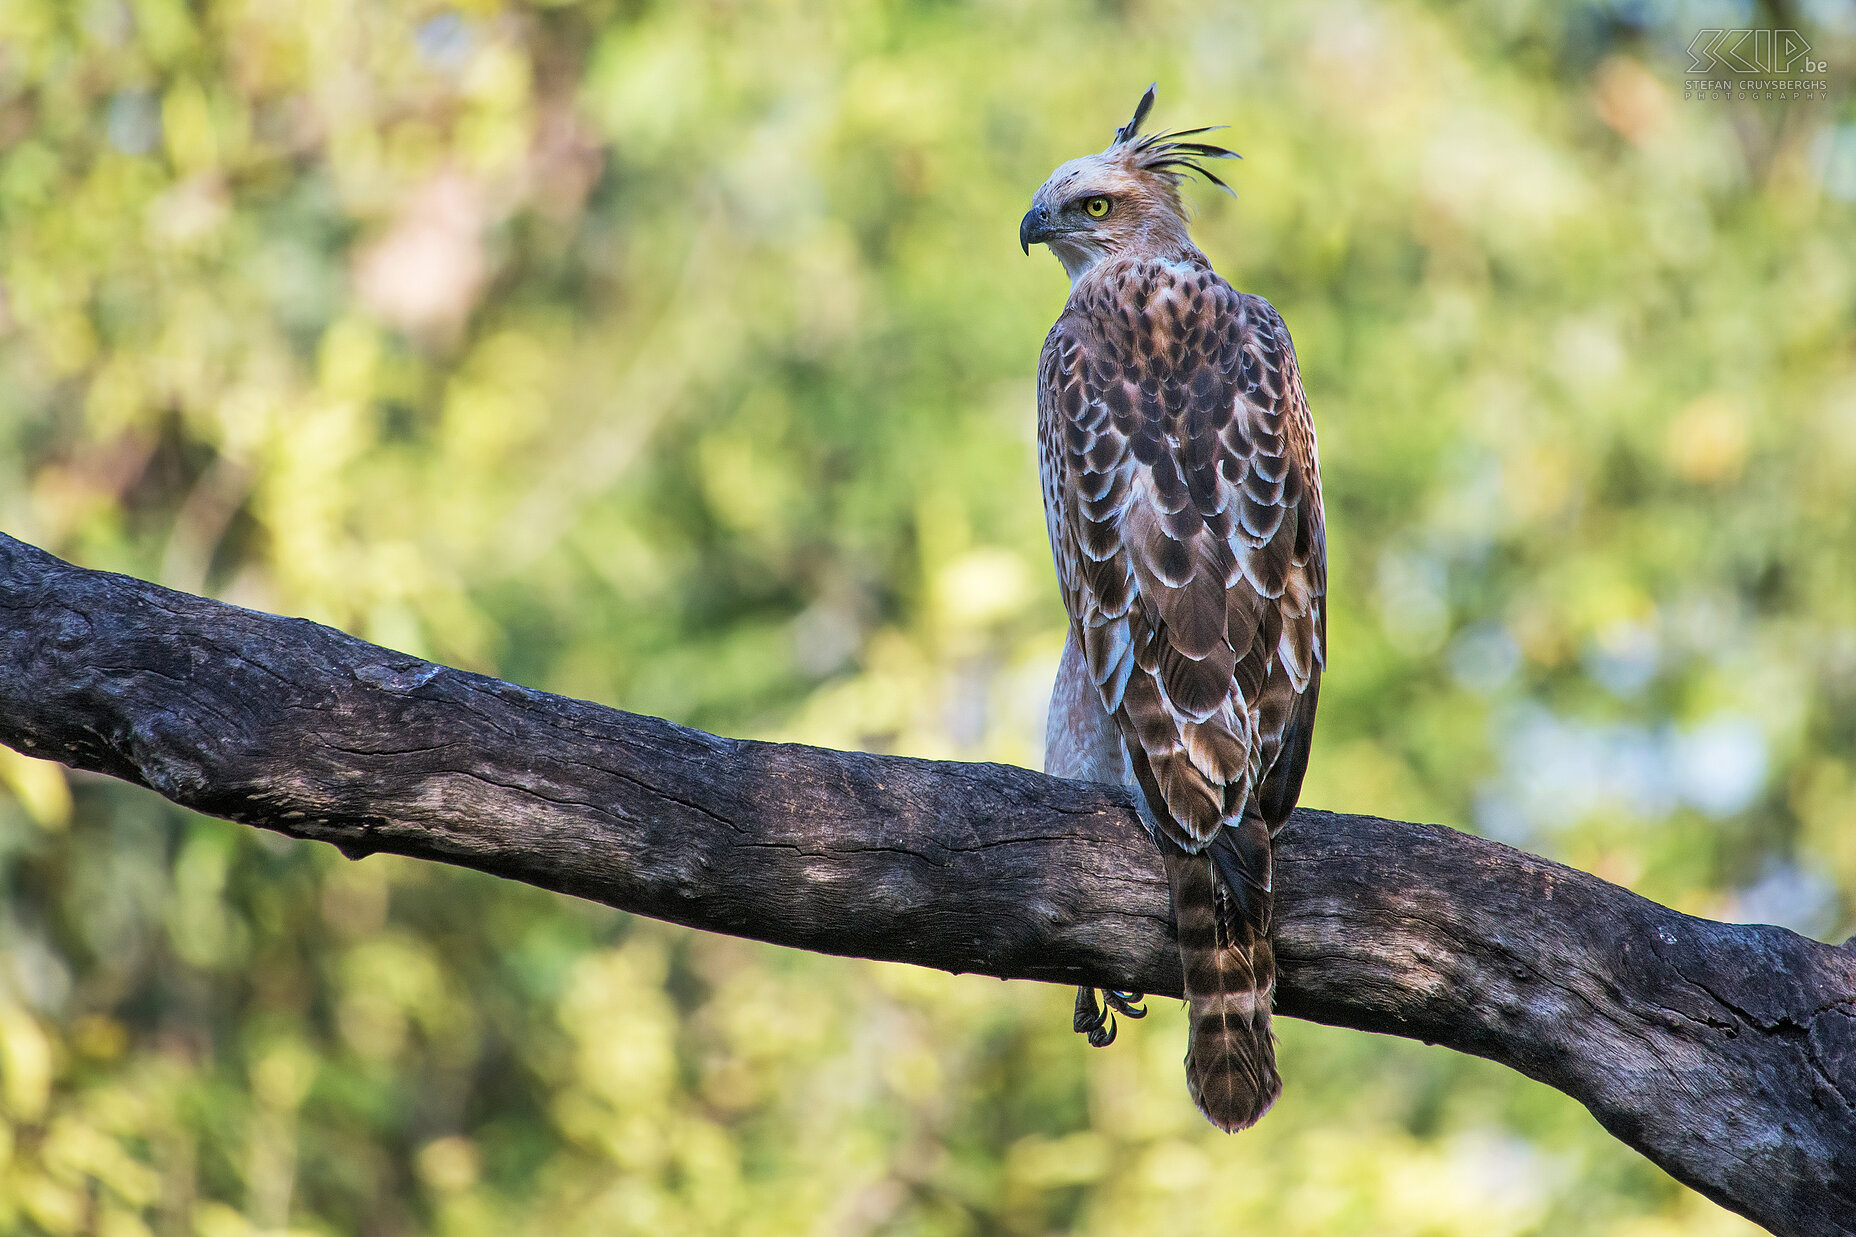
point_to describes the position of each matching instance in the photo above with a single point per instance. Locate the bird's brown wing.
(1183, 497)
(1184, 503)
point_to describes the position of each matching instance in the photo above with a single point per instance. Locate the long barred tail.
(1223, 917)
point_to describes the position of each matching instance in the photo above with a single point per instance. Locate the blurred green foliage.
(680, 356)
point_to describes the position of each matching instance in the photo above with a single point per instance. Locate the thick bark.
(1725, 1053)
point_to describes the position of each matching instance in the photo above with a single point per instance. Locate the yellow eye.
(1097, 207)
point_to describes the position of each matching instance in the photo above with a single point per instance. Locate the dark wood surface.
(1726, 1053)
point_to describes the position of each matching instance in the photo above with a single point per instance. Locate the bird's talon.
(1127, 1004)
(1097, 1023)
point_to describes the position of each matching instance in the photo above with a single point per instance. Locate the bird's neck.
(1104, 262)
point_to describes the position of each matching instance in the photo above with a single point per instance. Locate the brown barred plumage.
(1183, 495)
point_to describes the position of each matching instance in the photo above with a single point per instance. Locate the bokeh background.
(680, 356)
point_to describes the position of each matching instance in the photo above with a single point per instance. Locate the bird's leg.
(1098, 1023)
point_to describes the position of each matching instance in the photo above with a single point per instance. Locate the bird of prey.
(1183, 497)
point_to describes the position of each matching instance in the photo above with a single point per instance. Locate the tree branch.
(1725, 1053)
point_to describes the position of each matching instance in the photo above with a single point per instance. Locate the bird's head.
(1125, 199)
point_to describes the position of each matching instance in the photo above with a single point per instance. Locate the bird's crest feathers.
(1164, 153)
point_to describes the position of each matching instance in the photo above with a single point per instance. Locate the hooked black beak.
(1034, 227)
